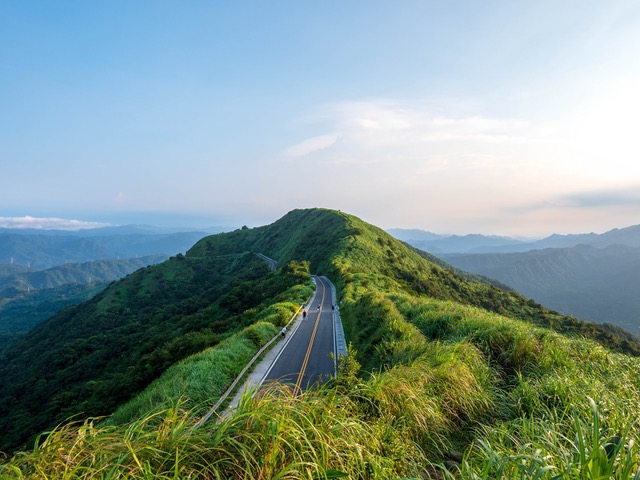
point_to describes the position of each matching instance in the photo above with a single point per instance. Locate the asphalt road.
(306, 357)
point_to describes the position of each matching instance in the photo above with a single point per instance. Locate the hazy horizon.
(498, 118)
(54, 223)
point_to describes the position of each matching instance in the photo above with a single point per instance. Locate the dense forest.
(20, 314)
(29, 296)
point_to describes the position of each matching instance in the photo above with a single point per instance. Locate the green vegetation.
(28, 297)
(203, 377)
(74, 273)
(21, 314)
(595, 283)
(446, 378)
(89, 359)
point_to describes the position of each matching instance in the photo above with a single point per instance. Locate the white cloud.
(311, 145)
(463, 168)
(420, 136)
(599, 137)
(47, 223)
(392, 122)
(392, 132)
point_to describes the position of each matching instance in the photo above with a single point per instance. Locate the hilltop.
(439, 361)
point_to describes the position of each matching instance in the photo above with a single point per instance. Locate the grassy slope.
(199, 380)
(372, 257)
(441, 373)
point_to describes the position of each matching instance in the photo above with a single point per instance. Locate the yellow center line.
(308, 354)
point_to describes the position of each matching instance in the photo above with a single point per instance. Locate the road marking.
(313, 336)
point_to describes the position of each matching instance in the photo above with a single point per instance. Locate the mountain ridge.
(600, 284)
(29, 296)
(477, 243)
(397, 307)
(40, 251)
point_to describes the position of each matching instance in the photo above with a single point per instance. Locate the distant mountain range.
(20, 280)
(44, 271)
(28, 296)
(40, 249)
(438, 243)
(474, 243)
(592, 276)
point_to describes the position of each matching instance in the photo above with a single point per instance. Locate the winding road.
(308, 354)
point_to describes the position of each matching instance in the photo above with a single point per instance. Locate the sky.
(492, 117)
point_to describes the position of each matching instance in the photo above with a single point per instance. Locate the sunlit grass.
(570, 446)
(441, 379)
(274, 435)
(536, 421)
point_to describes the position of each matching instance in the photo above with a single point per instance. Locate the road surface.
(307, 355)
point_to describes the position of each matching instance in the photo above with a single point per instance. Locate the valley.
(595, 277)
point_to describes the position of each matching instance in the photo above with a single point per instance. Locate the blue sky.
(495, 117)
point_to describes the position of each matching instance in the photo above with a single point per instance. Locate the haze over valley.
(591, 276)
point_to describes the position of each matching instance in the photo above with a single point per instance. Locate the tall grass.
(573, 446)
(199, 378)
(273, 435)
(402, 422)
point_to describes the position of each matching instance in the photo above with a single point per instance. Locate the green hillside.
(85, 273)
(600, 284)
(28, 297)
(20, 314)
(443, 372)
(347, 250)
(90, 358)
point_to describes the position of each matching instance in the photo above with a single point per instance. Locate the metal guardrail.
(340, 342)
